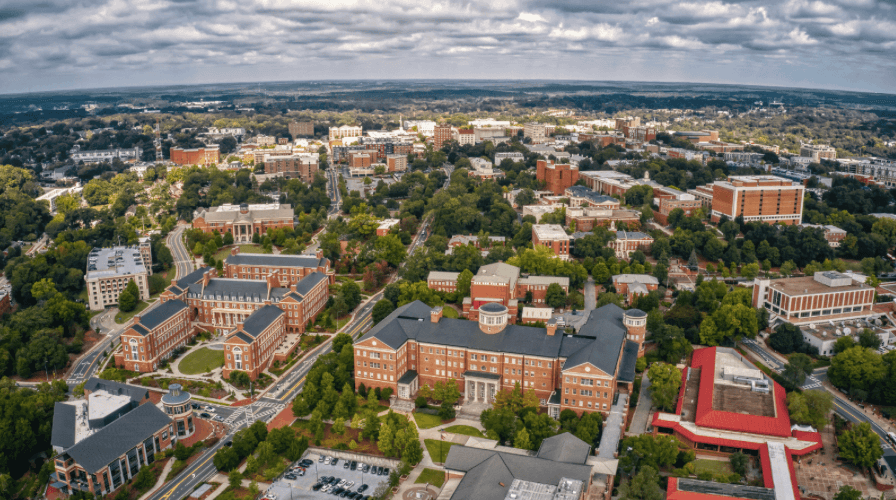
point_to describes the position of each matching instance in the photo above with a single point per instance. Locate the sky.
(71, 44)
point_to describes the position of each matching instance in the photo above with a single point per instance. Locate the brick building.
(154, 335)
(586, 219)
(557, 178)
(250, 346)
(627, 242)
(361, 160)
(244, 220)
(634, 285)
(293, 166)
(828, 295)
(501, 283)
(832, 234)
(464, 136)
(396, 163)
(758, 198)
(698, 136)
(551, 236)
(301, 129)
(415, 346)
(442, 281)
(686, 202)
(208, 155)
(5, 302)
(109, 270)
(103, 440)
(441, 135)
(580, 196)
(290, 268)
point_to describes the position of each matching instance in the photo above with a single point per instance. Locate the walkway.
(641, 418)
(161, 479)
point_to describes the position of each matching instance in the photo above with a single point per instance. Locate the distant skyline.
(61, 45)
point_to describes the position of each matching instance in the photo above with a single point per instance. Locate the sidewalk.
(641, 418)
(161, 479)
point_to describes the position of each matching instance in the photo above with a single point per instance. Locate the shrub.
(420, 402)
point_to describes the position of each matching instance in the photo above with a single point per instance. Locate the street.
(183, 260)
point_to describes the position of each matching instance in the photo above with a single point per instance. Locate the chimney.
(267, 302)
(435, 314)
(206, 276)
(551, 327)
(136, 318)
(235, 250)
(319, 253)
(174, 281)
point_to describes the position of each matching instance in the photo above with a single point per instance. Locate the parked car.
(346, 465)
(317, 486)
(363, 488)
(306, 463)
(334, 461)
(327, 461)
(385, 471)
(204, 415)
(366, 468)
(290, 476)
(354, 465)
(301, 472)
(321, 458)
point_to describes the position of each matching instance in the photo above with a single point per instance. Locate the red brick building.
(552, 236)
(687, 202)
(832, 234)
(441, 135)
(290, 268)
(415, 346)
(634, 285)
(244, 220)
(294, 166)
(250, 347)
(5, 302)
(828, 295)
(758, 198)
(586, 219)
(557, 178)
(500, 283)
(627, 242)
(208, 155)
(154, 335)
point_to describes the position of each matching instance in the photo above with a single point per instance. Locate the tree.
(869, 339)
(843, 343)
(750, 271)
(381, 309)
(739, 462)
(555, 296)
(798, 367)
(600, 273)
(516, 399)
(234, 479)
(856, 368)
(860, 445)
(127, 302)
(464, 281)
(810, 407)
(646, 450)
(521, 439)
(645, 485)
(847, 492)
(144, 479)
(665, 380)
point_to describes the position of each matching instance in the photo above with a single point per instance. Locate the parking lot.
(300, 488)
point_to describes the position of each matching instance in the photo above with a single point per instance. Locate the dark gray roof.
(584, 192)
(309, 282)
(259, 320)
(137, 327)
(629, 360)
(233, 289)
(281, 260)
(136, 393)
(492, 307)
(171, 398)
(564, 448)
(604, 325)
(162, 313)
(408, 377)
(63, 434)
(493, 376)
(100, 448)
(725, 489)
(631, 235)
(636, 313)
(191, 278)
(487, 469)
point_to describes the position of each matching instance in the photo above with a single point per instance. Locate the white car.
(326, 488)
(349, 484)
(327, 461)
(341, 484)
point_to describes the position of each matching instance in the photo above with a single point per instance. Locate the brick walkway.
(283, 419)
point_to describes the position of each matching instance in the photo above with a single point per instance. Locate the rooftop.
(549, 232)
(280, 260)
(161, 313)
(822, 282)
(114, 261)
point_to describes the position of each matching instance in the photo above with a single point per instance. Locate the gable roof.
(161, 313)
(564, 448)
(102, 447)
(604, 327)
(309, 282)
(232, 289)
(261, 319)
(63, 433)
(279, 260)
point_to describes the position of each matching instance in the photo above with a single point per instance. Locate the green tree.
(521, 439)
(555, 296)
(464, 281)
(645, 485)
(234, 479)
(856, 368)
(847, 492)
(127, 302)
(798, 367)
(646, 450)
(869, 339)
(381, 309)
(810, 407)
(786, 338)
(665, 380)
(516, 399)
(860, 445)
(739, 463)
(843, 343)
(600, 273)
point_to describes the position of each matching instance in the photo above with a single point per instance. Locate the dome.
(635, 313)
(175, 395)
(493, 307)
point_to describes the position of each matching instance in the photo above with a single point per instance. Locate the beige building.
(109, 270)
(345, 131)
(535, 131)
(818, 152)
(396, 163)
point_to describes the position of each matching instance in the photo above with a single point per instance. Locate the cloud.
(53, 44)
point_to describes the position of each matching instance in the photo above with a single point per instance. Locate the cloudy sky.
(65, 44)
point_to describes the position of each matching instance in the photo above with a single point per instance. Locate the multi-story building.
(303, 167)
(512, 156)
(489, 122)
(580, 196)
(265, 140)
(208, 155)
(698, 136)
(501, 283)
(51, 195)
(301, 129)
(483, 169)
(832, 234)
(828, 295)
(634, 285)
(361, 160)
(100, 155)
(758, 198)
(703, 194)
(396, 163)
(463, 136)
(586, 219)
(153, 336)
(442, 281)
(687, 202)
(145, 247)
(535, 131)
(551, 236)
(386, 226)
(743, 157)
(291, 268)
(415, 346)
(345, 131)
(627, 242)
(441, 135)
(109, 270)
(103, 440)
(639, 134)
(250, 346)
(818, 152)
(244, 220)
(557, 178)
(5, 302)
(424, 127)
(494, 134)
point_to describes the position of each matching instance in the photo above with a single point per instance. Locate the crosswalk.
(257, 411)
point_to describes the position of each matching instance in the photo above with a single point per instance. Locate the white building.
(488, 122)
(425, 127)
(514, 156)
(51, 195)
(96, 156)
(109, 270)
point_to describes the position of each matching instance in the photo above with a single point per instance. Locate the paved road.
(105, 325)
(183, 261)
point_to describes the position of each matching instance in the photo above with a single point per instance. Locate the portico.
(481, 387)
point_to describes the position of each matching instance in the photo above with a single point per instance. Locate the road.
(183, 261)
(814, 382)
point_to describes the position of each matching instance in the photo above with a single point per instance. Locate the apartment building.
(244, 220)
(698, 136)
(758, 198)
(827, 295)
(250, 346)
(536, 132)
(553, 237)
(153, 336)
(557, 178)
(109, 270)
(818, 152)
(442, 281)
(104, 439)
(415, 346)
(301, 129)
(634, 285)
(290, 268)
(345, 131)
(105, 155)
(265, 140)
(204, 156)
(302, 167)
(627, 242)
(396, 163)
(586, 219)
(463, 136)
(687, 202)
(441, 135)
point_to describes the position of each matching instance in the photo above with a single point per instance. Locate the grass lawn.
(247, 248)
(427, 421)
(124, 317)
(431, 476)
(438, 450)
(714, 466)
(201, 361)
(466, 430)
(449, 312)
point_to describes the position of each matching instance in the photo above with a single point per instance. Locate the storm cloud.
(63, 44)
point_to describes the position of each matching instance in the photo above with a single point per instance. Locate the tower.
(158, 142)
(635, 321)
